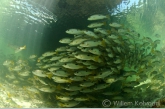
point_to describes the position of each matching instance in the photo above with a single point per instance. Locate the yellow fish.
(20, 49)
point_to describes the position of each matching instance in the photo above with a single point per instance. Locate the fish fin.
(91, 97)
(70, 71)
(138, 80)
(84, 30)
(62, 105)
(128, 30)
(67, 94)
(83, 67)
(35, 77)
(149, 63)
(19, 106)
(24, 87)
(120, 37)
(122, 43)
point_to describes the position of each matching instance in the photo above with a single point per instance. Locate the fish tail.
(57, 97)
(103, 43)
(56, 52)
(108, 16)
(104, 23)
(9, 95)
(12, 62)
(153, 51)
(70, 81)
(92, 78)
(96, 58)
(10, 68)
(93, 72)
(58, 87)
(24, 47)
(49, 76)
(108, 31)
(24, 87)
(122, 25)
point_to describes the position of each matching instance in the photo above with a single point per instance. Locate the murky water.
(118, 64)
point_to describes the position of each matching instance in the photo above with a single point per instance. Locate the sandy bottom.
(12, 96)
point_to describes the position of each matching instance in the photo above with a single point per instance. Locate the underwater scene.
(82, 54)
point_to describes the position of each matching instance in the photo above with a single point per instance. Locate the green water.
(39, 25)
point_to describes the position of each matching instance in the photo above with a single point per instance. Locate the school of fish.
(106, 61)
